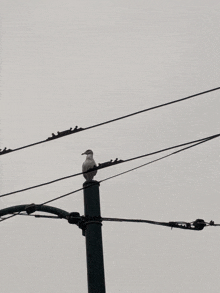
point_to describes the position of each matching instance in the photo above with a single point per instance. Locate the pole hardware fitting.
(65, 132)
(87, 220)
(31, 208)
(4, 151)
(83, 221)
(109, 163)
(104, 165)
(74, 218)
(198, 224)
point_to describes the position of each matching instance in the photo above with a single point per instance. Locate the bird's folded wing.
(88, 165)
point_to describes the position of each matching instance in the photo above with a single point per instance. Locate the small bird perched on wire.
(89, 164)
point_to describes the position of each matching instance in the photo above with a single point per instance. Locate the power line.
(62, 196)
(76, 129)
(72, 192)
(82, 221)
(108, 164)
(152, 108)
(39, 185)
(46, 202)
(170, 148)
(198, 224)
(170, 224)
(127, 171)
(6, 218)
(148, 163)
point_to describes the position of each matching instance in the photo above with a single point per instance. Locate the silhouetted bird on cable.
(89, 164)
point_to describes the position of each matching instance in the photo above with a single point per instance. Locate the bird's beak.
(83, 154)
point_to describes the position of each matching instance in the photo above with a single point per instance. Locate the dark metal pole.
(93, 234)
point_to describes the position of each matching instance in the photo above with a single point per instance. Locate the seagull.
(89, 164)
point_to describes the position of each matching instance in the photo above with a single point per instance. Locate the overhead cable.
(72, 192)
(6, 218)
(82, 221)
(79, 129)
(64, 195)
(127, 171)
(148, 163)
(198, 224)
(111, 163)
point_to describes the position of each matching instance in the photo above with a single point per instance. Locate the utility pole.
(93, 234)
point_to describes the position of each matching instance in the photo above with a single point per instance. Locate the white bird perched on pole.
(89, 164)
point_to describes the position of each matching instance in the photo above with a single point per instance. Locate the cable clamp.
(198, 224)
(31, 208)
(4, 151)
(74, 218)
(86, 220)
(65, 132)
(109, 163)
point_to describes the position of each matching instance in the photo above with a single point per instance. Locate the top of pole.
(90, 183)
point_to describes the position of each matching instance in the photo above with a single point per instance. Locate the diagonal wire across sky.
(186, 145)
(76, 129)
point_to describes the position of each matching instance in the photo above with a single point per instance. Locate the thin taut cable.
(127, 171)
(198, 141)
(76, 130)
(154, 107)
(148, 163)
(127, 220)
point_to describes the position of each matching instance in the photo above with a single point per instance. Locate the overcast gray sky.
(68, 63)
